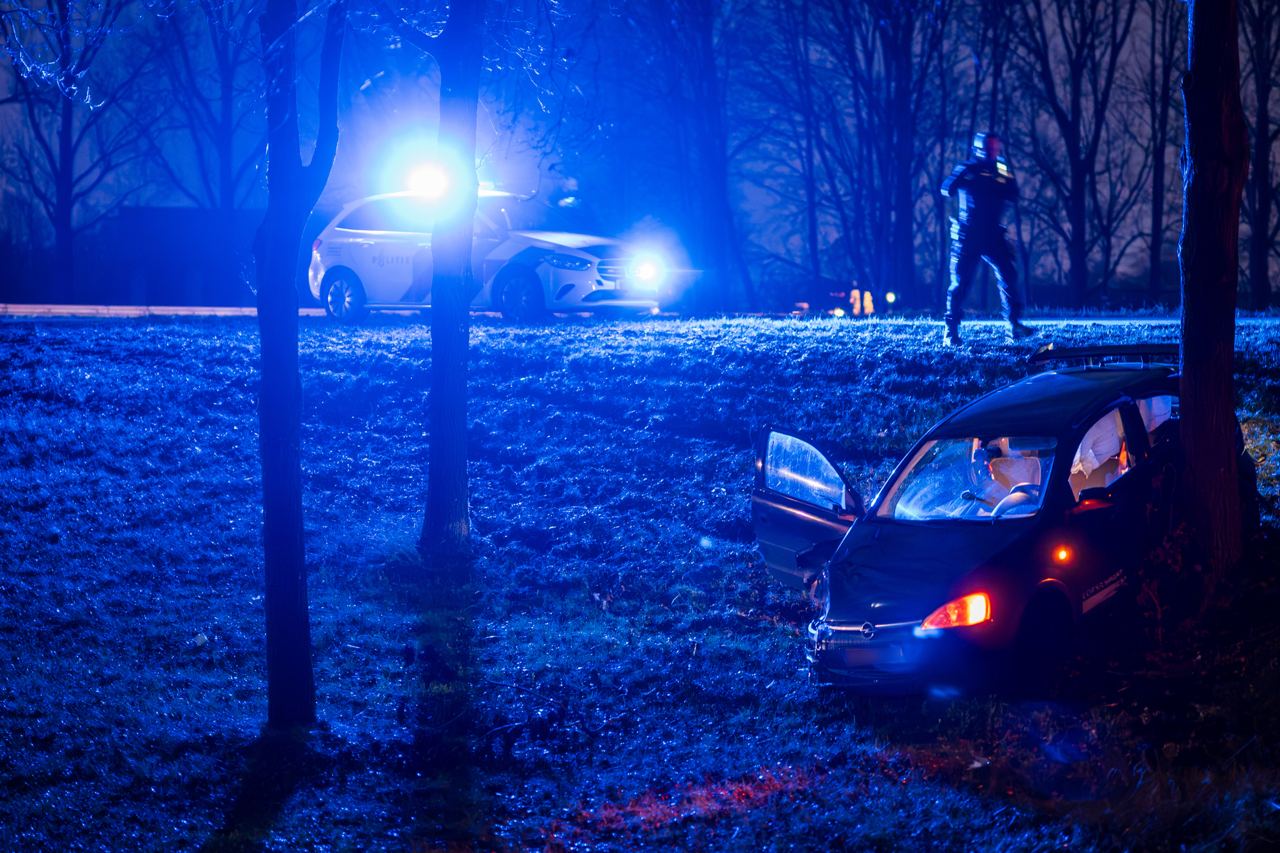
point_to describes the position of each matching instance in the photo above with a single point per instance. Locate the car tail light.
(315, 247)
(967, 610)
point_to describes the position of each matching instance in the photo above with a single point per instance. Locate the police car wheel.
(344, 297)
(521, 298)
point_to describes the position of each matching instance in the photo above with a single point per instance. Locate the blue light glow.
(414, 163)
(430, 179)
(648, 271)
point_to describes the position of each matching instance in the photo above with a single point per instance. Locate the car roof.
(1055, 402)
(482, 193)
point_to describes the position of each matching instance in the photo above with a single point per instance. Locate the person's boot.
(951, 337)
(1018, 331)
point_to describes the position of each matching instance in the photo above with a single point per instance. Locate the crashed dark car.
(998, 536)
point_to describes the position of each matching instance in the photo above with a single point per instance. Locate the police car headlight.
(569, 262)
(647, 272)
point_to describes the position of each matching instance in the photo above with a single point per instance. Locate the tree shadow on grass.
(277, 765)
(442, 802)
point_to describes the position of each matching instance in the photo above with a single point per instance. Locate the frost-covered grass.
(621, 674)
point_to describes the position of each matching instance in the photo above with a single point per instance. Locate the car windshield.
(971, 479)
(539, 214)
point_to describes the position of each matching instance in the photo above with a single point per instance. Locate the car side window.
(796, 469)
(367, 217)
(405, 215)
(1160, 417)
(1103, 456)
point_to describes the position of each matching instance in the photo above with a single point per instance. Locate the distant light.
(890, 297)
(839, 312)
(655, 310)
(1062, 554)
(431, 180)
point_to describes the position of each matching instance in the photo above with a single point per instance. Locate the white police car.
(371, 256)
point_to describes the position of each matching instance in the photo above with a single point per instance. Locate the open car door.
(801, 507)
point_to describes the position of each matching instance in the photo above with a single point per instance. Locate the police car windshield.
(971, 479)
(539, 214)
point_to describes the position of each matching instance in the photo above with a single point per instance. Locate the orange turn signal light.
(967, 610)
(1062, 554)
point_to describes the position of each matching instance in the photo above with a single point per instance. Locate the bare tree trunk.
(1155, 252)
(804, 68)
(1263, 204)
(1077, 243)
(1160, 55)
(64, 179)
(446, 527)
(64, 204)
(717, 229)
(998, 50)
(1073, 50)
(902, 275)
(292, 191)
(1214, 165)
(1262, 47)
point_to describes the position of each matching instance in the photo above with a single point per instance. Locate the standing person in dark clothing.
(986, 186)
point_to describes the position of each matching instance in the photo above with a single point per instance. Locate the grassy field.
(620, 673)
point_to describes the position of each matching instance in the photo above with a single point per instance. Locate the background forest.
(789, 146)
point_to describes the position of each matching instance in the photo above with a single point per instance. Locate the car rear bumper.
(898, 658)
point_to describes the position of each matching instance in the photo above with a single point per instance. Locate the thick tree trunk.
(292, 192)
(290, 685)
(446, 527)
(1214, 163)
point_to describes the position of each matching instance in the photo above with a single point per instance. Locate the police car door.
(801, 506)
(390, 249)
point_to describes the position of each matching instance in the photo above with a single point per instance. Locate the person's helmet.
(980, 142)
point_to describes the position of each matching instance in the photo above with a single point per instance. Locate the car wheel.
(1043, 646)
(520, 297)
(343, 297)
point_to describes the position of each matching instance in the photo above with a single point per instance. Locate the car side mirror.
(853, 503)
(1098, 497)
